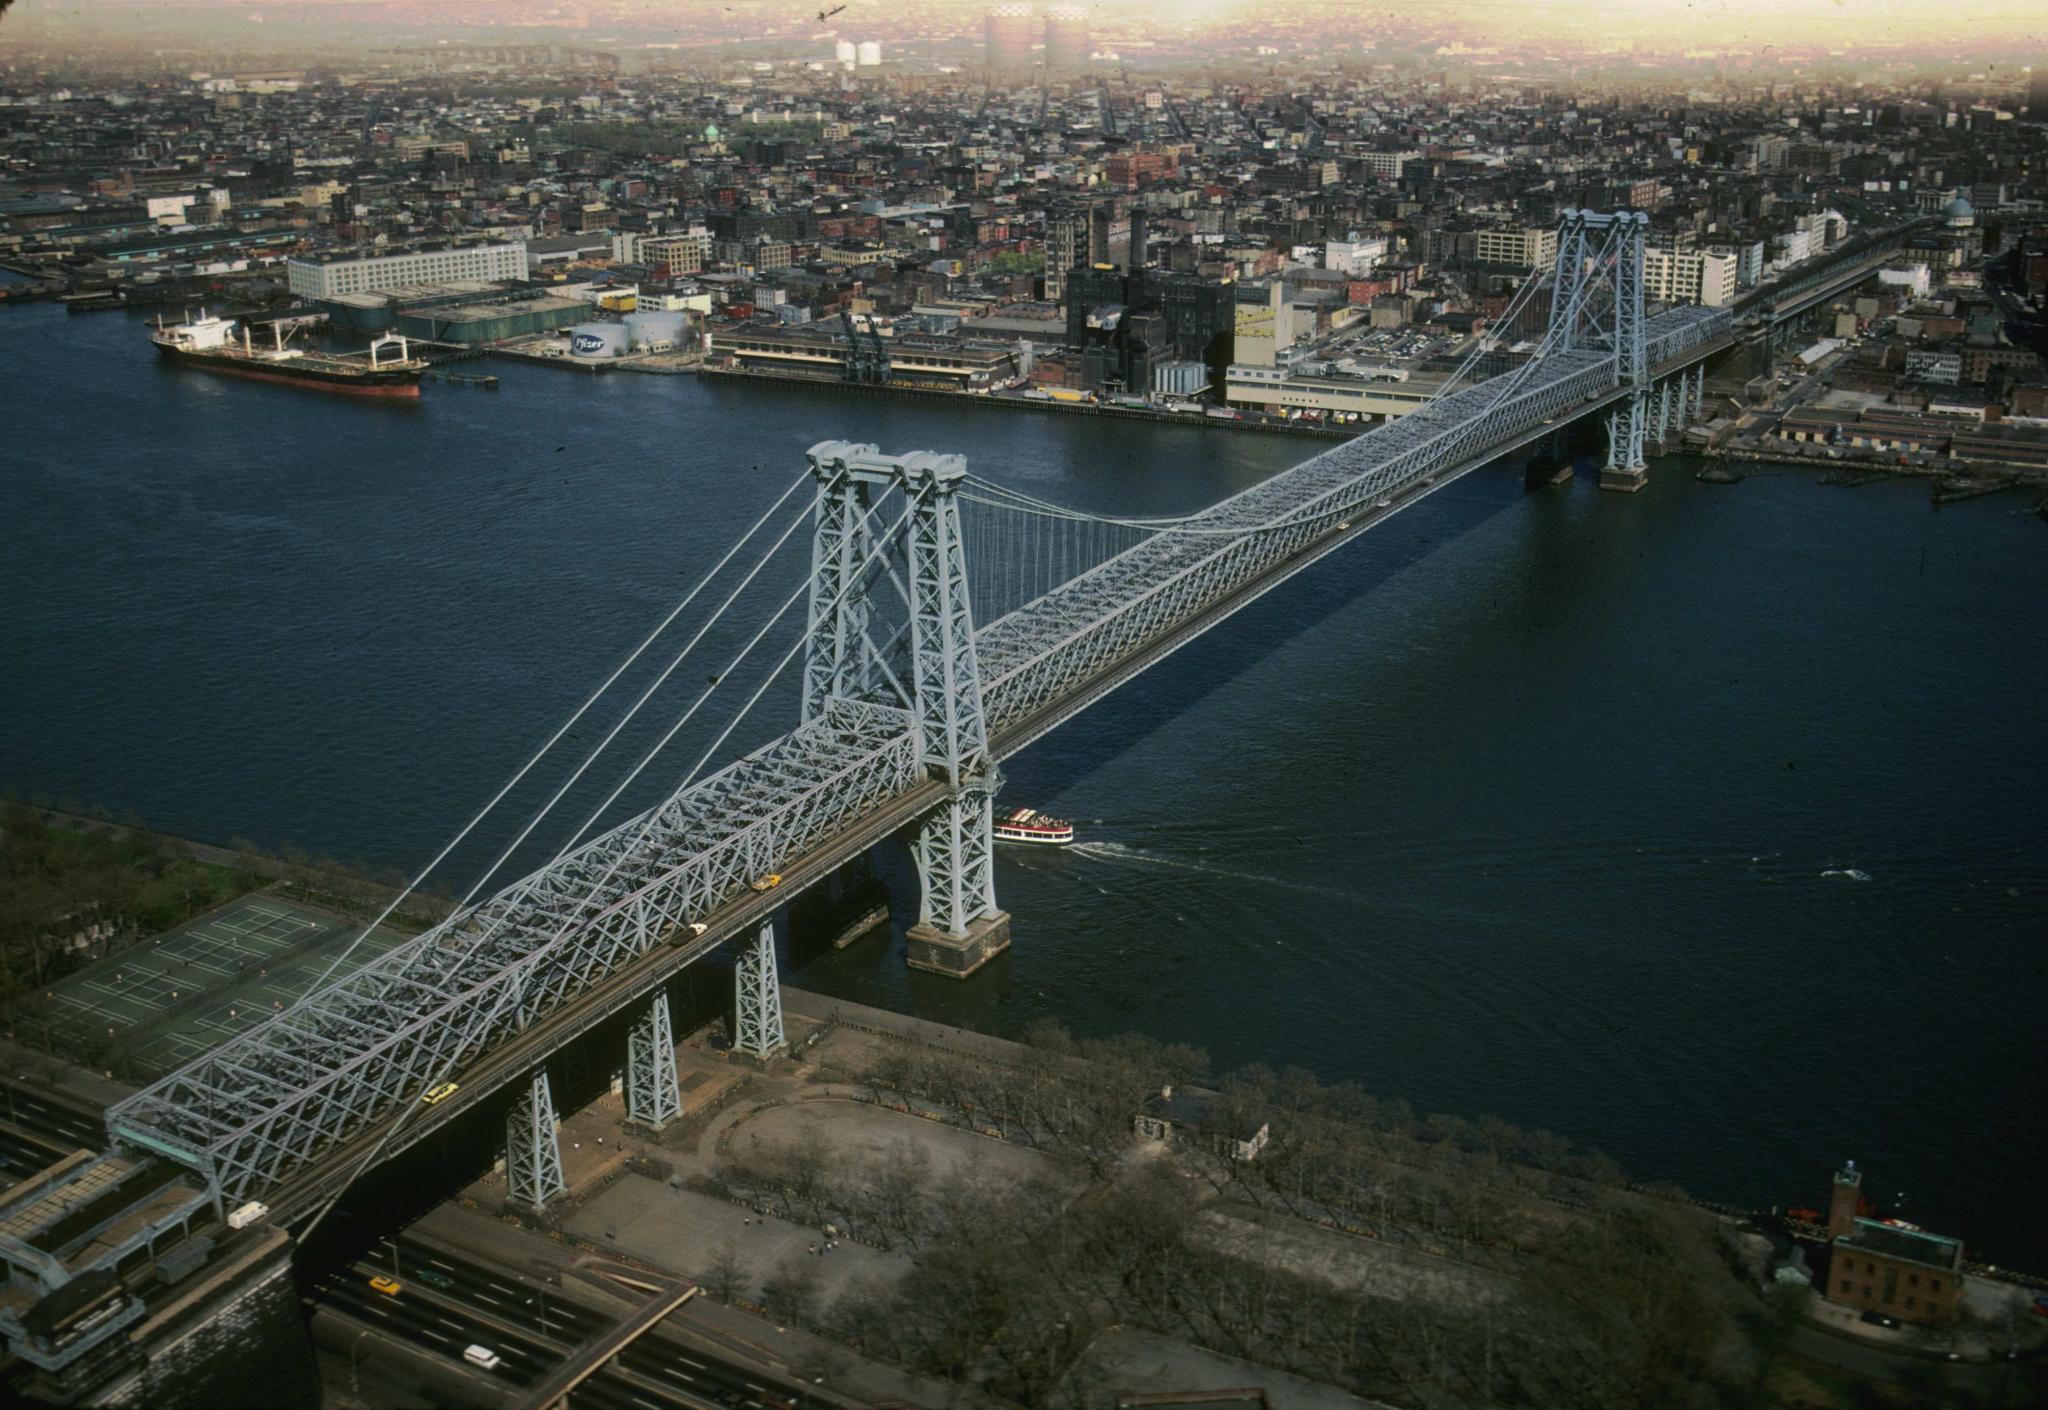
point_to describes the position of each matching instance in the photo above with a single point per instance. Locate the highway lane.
(22, 1155)
(437, 1327)
(500, 1309)
(71, 1127)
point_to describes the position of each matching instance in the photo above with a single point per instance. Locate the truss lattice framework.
(265, 1105)
(653, 1098)
(533, 1153)
(955, 844)
(840, 658)
(1044, 650)
(757, 997)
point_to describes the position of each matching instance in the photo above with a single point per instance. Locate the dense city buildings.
(1322, 239)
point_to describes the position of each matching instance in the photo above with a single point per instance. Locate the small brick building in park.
(1889, 1267)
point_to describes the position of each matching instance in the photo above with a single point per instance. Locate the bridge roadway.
(1847, 267)
(244, 1113)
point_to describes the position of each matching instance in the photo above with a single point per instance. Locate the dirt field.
(855, 1133)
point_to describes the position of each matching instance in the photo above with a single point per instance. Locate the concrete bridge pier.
(653, 1098)
(757, 998)
(533, 1152)
(1549, 461)
(851, 904)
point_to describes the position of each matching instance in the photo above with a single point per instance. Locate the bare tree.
(726, 1275)
(901, 1187)
(791, 1291)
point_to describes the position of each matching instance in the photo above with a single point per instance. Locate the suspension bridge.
(945, 622)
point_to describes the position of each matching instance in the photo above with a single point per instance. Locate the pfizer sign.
(586, 344)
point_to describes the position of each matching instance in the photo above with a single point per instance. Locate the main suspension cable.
(716, 616)
(554, 739)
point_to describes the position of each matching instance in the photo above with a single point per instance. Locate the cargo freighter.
(209, 344)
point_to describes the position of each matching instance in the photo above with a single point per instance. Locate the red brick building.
(1894, 1269)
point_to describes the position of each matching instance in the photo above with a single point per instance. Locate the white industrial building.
(1689, 277)
(324, 278)
(1530, 247)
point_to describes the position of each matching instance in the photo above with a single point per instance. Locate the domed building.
(1957, 243)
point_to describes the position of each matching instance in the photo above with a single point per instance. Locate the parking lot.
(159, 1005)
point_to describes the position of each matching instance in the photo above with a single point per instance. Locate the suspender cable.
(645, 696)
(555, 738)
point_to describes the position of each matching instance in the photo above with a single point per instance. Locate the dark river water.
(1704, 826)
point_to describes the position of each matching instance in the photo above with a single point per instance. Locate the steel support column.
(653, 1097)
(1626, 467)
(839, 655)
(959, 928)
(533, 1156)
(1569, 276)
(757, 999)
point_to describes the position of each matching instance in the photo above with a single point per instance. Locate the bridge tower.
(1569, 277)
(757, 1003)
(1629, 422)
(533, 1151)
(653, 1097)
(855, 651)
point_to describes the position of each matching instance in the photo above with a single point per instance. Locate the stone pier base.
(957, 956)
(1625, 478)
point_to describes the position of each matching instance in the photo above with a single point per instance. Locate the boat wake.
(1850, 873)
(1115, 852)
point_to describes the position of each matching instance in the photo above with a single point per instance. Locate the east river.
(1705, 827)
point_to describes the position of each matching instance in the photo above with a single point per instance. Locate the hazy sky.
(1666, 24)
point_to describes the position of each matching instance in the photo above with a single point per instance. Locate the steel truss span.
(267, 1108)
(1042, 651)
(261, 1107)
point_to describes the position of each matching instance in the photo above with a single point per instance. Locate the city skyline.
(1473, 30)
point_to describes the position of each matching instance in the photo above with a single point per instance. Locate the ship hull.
(1035, 839)
(364, 384)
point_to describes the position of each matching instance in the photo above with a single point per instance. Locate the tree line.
(1608, 1298)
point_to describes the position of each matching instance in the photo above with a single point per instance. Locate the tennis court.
(156, 1007)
